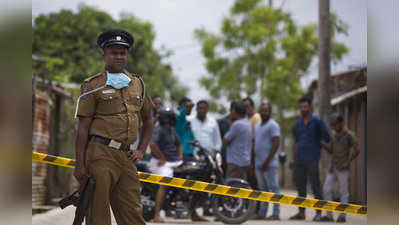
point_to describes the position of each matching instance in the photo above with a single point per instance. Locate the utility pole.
(271, 3)
(324, 70)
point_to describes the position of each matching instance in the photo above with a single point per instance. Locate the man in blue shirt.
(183, 129)
(238, 141)
(267, 141)
(310, 130)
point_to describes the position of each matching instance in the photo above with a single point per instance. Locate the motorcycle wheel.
(148, 213)
(231, 210)
(148, 202)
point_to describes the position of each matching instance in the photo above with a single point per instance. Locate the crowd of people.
(248, 141)
(113, 102)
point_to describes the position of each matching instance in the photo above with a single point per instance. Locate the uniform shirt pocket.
(135, 102)
(109, 103)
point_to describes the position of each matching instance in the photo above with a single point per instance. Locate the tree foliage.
(67, 41)
(261, 50)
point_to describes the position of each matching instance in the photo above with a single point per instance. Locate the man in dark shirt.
(310, 130)
(167, 153)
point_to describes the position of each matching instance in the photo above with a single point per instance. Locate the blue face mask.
(117, 80)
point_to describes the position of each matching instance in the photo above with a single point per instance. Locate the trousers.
(303, 173)
(343, 178)
(117, 185)
(268, 181)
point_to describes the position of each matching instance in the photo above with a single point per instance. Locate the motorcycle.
(205, 167)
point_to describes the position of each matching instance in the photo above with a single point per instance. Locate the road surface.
(65, 217)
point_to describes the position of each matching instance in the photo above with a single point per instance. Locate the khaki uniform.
(115, 114)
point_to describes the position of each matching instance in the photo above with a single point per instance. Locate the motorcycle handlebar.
(201, 149)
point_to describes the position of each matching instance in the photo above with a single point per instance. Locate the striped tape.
(54, 160)
(224, 190)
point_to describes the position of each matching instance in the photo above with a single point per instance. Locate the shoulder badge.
(84, 90)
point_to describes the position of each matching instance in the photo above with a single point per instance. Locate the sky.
(175, 21)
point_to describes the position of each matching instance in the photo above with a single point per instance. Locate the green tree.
(67, 41)
(261, 50)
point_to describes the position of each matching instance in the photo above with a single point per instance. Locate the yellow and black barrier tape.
(224, 190)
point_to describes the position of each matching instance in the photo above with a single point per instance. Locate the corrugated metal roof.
(347, 95)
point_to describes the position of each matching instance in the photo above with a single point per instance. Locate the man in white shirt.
(206, 132)
(206, 129)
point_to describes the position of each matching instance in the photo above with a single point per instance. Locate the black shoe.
(327, 218)
(273, 217)
(341, 219)
(298, 216)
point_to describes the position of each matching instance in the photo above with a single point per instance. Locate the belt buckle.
(114, 144)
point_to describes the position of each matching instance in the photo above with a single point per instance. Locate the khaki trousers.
(117, 185)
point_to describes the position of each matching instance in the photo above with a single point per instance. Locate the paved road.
(65, 217)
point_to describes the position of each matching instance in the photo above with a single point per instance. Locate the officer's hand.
(79, 173)
(136, 156)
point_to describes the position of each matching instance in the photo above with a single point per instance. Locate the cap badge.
(118, 38)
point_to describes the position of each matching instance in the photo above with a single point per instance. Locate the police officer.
(109, 109)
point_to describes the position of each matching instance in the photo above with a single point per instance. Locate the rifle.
(81, 199)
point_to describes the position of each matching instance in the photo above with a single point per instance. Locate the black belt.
(112, 143)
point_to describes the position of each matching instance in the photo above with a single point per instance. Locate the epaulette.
(91, 77)
(142, 84)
